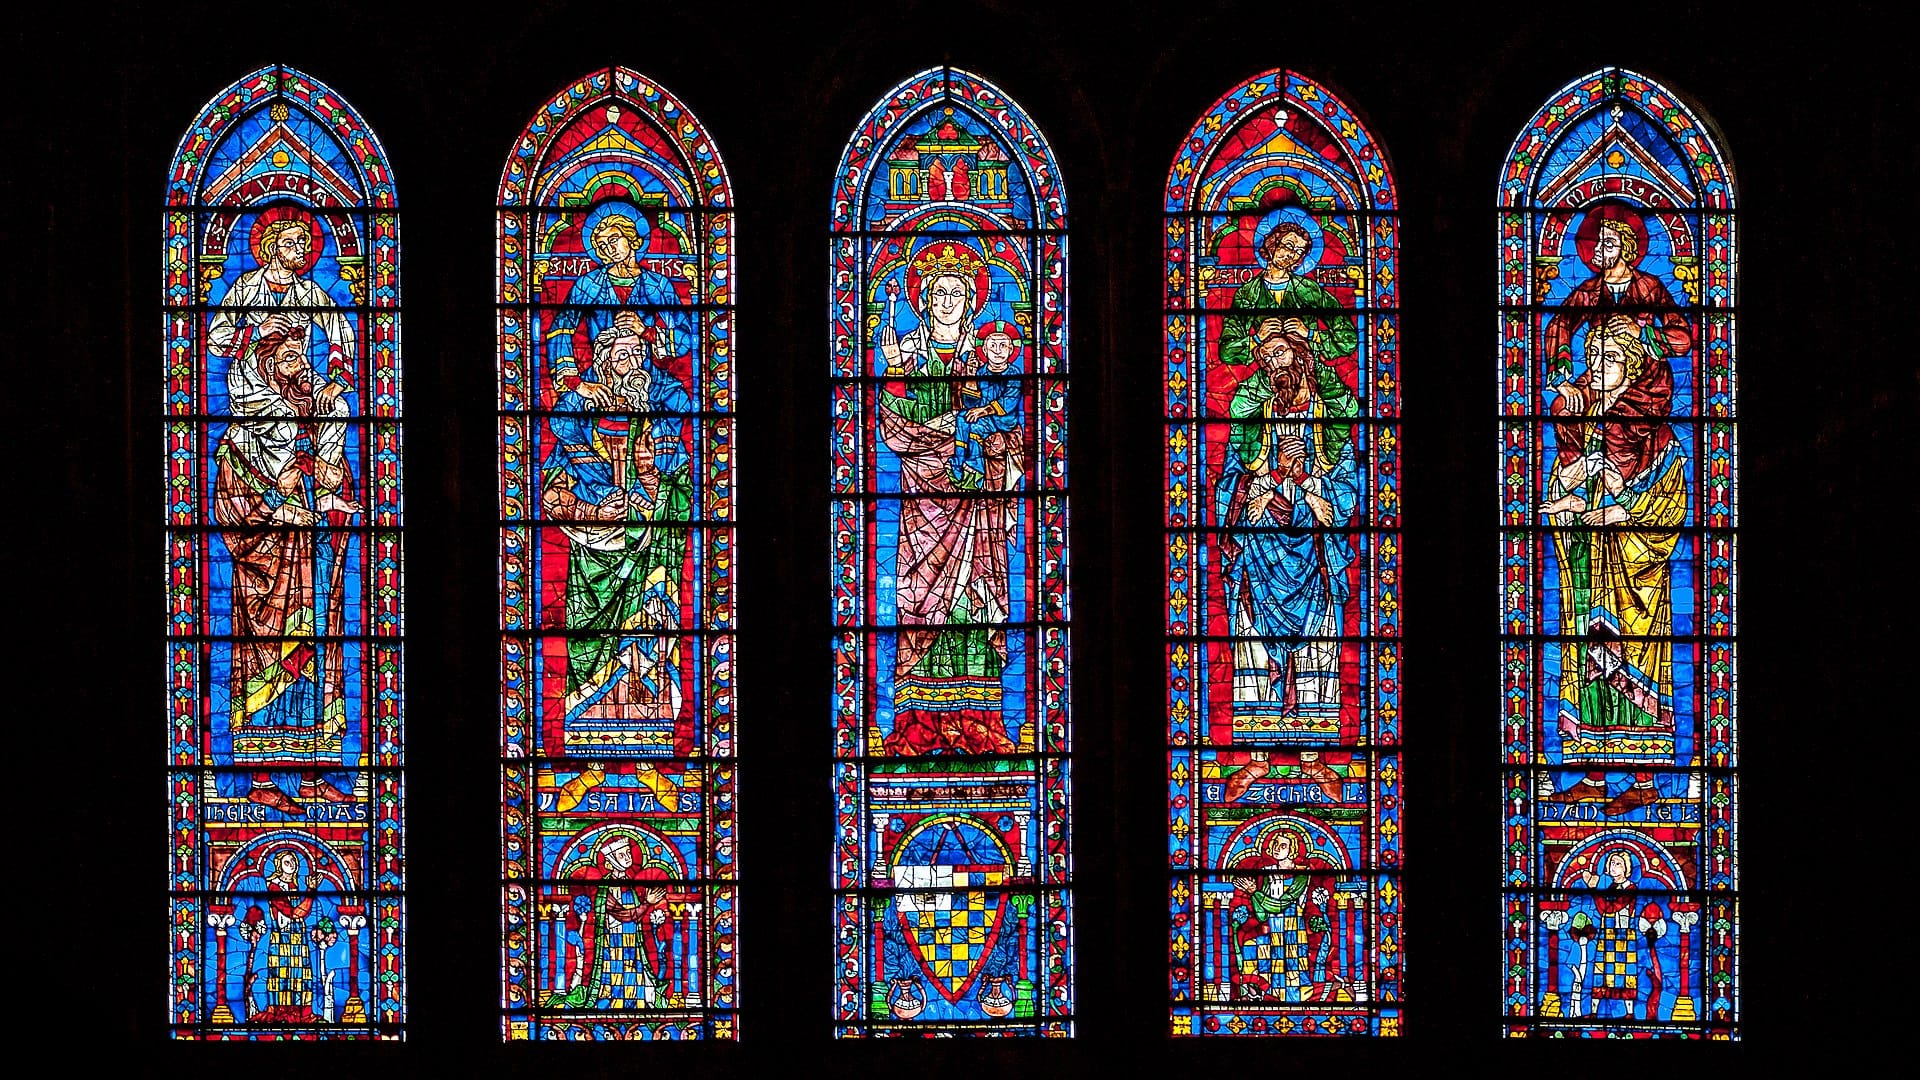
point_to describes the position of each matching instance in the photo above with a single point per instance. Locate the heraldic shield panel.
(283, 448)
(616, 429)
(949, 517)
(1617, 568)
(1281, 377)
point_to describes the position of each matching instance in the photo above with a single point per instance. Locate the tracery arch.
(1281, 386)
(1617, 417)
(949, 518)
(284, 563)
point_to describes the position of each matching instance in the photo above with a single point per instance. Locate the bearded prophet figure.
(619, 479)
(953, 551)
(1618, 492)
(1281, 291)
(279, 474)
(1286, 591)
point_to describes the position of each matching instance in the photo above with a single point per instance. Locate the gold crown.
(947, 258)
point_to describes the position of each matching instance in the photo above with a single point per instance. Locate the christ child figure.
(986, 431)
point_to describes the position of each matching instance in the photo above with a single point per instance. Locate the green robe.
(607, 590)
(1334, 334)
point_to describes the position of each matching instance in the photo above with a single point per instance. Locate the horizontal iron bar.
(595, 414)
(699, 883)
(892, 628)
(314, 639)
(941, 234)
(1031, 494)
(710, 524)
(1032, 759)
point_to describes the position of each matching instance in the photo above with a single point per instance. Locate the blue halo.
(615, 208)
(1315, 235)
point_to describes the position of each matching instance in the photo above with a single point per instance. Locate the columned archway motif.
(952, 864)
(618, 717)
(1617, 567)
(1281, 338)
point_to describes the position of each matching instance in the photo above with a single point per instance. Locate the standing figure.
(623, 480)
(1288, 478)
(1624, 939)
(1281, 933)
(953, 551)
(1618, 492)
(289, 955)
(1282, 291)
(280, 473)
(624, 931)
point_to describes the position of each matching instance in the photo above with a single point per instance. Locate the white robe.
(269, 446)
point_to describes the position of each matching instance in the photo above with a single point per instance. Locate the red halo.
(1589, 231)
(272, 214)
(982, 279)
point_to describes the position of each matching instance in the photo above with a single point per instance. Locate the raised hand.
(1257, 507)
(327, 395)
(1294, 449)
(889, 343)
(292, 513)
(612, 508)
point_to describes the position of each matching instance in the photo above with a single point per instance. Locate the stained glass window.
(615, 332)
(1617, 516)
(284, 628)
(952, 868)
(1281, 338)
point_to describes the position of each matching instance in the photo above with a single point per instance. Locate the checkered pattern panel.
(954, 941)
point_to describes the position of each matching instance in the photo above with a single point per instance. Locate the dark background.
(1811, 114)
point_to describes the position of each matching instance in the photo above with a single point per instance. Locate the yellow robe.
(1616, 685)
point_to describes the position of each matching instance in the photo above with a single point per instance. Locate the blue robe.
(595, 299)
(1000, 393)
(1294, 584)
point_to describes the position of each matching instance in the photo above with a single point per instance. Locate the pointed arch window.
(952, 866)
(284, 631)
(1618, 518)
(617, 538)
(1282, 359)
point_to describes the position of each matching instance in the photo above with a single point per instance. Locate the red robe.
(1644, 296)
(1635, 431)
